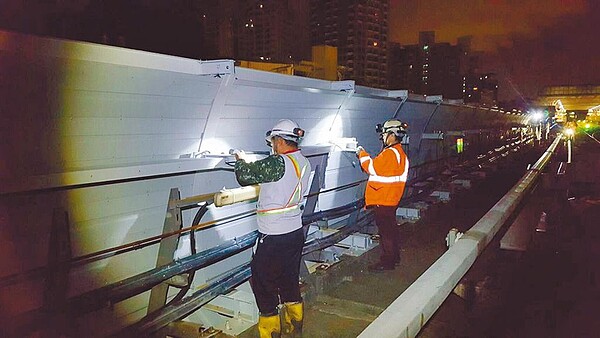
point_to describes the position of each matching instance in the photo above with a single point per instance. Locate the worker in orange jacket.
(388, 172)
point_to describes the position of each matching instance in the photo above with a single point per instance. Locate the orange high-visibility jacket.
(388, 172)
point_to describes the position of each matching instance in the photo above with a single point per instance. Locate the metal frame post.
(173, 222)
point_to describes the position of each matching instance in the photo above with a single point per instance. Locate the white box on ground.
(408, 213)
(233, 313)
(443, 196)
(463, 183)
(358, 241)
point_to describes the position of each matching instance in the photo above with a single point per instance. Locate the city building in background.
(403, 69)
(220, 20)
(256, 30)
(359, 30)
(430, 68)
(323, 65)
(297, 37)
(481, 89)
(427, 68)
(268, 31)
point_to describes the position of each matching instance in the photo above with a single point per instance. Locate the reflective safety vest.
(388, 172)
(278, 211)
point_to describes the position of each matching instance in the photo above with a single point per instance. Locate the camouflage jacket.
(268, 169)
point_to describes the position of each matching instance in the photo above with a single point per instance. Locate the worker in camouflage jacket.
(283, 179)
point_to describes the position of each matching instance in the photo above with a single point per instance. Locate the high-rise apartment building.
(439, 67)
(219, 22)
(403, 69)
(265, 30)
(359, 30)
(426, 38)
(431, 68)
(481, 89)
(257, 30)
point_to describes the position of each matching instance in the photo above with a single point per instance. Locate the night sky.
(530, 43)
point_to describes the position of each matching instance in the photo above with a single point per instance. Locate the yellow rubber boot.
(269, 326)
(292, 318)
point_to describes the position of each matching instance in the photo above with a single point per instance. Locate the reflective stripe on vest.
(293, 202)
(278, 210)
(373, 177)
(370, 168)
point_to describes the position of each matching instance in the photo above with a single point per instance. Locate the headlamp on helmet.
(287, 130)
(393, 126)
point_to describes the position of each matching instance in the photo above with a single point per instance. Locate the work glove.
(239, 154)
(359, 149)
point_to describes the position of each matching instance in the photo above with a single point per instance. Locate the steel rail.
(40, 272)
(332, 213)
(407, 315)
(139, 244)
(224, 284)
(109, 252)
(134, 285)
(110, 294)
(139, 283)
(187, 305)
(324, 242)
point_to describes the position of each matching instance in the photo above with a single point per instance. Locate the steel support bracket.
(216, 67)
(173, 222)
(346, 85)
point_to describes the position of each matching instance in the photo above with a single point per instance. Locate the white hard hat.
(286, 129)
(392, 126)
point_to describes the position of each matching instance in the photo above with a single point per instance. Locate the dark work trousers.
(276, 269)
(389, 236)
